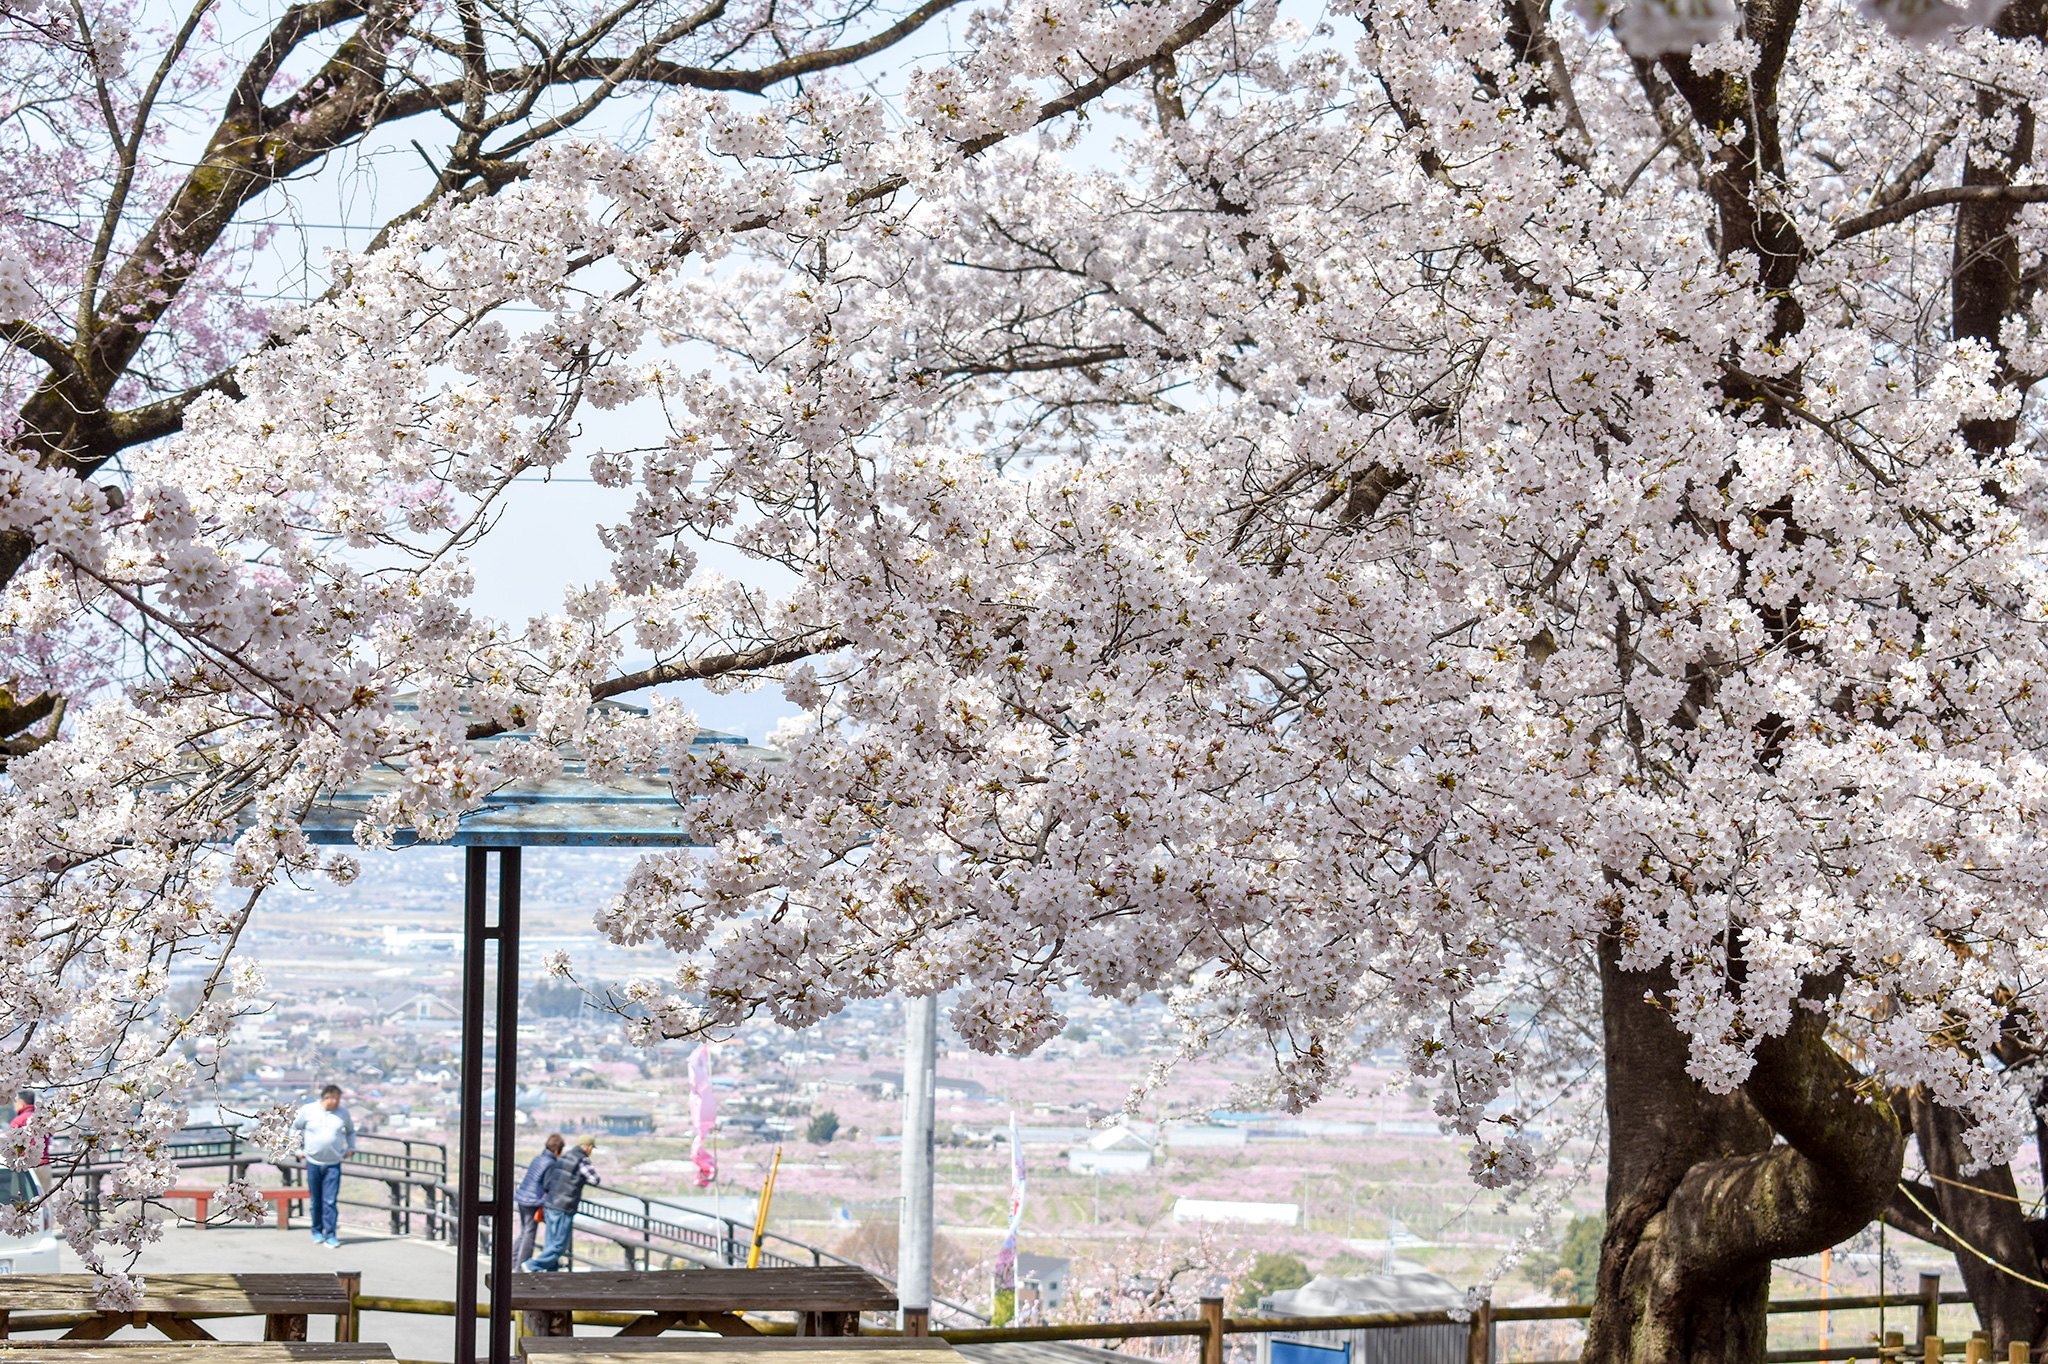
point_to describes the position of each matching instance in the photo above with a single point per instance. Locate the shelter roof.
(570, 810)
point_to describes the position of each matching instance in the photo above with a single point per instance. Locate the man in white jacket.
(328, 1137)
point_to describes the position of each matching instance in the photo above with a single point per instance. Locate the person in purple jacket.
(528, 1197)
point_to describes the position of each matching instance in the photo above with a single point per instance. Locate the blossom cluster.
(1330, 536)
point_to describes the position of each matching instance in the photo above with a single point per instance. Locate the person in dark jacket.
(528, 1197)
(562, 1190)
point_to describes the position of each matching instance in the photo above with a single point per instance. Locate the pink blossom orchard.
(1438, 527)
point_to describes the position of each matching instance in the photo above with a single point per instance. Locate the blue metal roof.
(570, 811)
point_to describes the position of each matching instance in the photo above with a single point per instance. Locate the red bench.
(203, 1195)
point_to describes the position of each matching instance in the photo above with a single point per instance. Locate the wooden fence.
(1212, 1327)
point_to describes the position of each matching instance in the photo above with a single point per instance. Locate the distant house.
(416, 1006)
(856, 1083)
(1447, 1343)
(627, 1124)
(890, 1083)
(1043, 1278)
(1119, 1150)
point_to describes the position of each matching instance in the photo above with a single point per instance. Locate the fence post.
(1479, 1345)
(2017, 1352)
(1932, 1348)
(1212, 1337)
(1930, 1305)
(348, 1326)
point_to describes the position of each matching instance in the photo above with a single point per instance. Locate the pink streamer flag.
(703, 1115)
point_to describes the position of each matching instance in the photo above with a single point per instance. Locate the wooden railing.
(1212, 1327)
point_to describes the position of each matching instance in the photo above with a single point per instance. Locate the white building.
(1447, 1343)
(1118, 1150)
(1229, 1210)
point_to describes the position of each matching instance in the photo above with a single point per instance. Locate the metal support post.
(914, 1232)
(504, 1127)
(479, 933)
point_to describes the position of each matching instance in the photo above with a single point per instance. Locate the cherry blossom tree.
(144, 155)
(1436, 522)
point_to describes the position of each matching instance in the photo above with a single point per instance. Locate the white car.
(35, 1253)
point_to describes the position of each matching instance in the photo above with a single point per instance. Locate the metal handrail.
(426, 1166)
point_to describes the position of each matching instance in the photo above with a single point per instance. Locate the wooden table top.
(321, 1294)
(831, 1288)
(189, 1352)
(740, 1349)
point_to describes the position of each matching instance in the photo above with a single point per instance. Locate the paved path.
(397, 1267)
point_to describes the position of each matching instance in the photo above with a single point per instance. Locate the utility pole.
(914, 1231)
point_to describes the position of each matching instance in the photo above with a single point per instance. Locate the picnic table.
(190, 1352)
(171, 1301)
(827, 1300)
(740, 1350)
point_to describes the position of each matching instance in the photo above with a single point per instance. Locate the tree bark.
(1984, 1210)
(1701, 1194)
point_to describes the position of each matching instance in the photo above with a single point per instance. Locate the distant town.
(1124, 1214)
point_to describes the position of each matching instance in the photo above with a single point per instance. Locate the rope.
(2033, 1209)
(1988, 1193)
(1950, 1232)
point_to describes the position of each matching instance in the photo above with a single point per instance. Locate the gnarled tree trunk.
(1702, 1196)
(1983, 1210)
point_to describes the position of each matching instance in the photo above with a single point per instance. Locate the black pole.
(475, 934)
(506, 1033)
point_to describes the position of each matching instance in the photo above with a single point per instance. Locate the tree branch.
(606, 70)
(710, 665)
(1939, 198)
(166, 416)
(1901, 1215)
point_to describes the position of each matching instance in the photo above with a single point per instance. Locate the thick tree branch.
(697, 670)
(643, 68)
(1939, 198)
(166, 416)
(1915, 170)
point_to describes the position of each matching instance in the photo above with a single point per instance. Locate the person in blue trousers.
(328, 1137)
(529, 1196)
(561, 1191)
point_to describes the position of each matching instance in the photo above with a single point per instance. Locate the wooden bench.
(171, 1301)
(826, 1300)
(202, 1196)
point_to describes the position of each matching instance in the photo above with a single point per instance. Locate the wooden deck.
(827, 1301)
(171, 1301)
(899, 1349)
(189, 1352)
(757, 1350)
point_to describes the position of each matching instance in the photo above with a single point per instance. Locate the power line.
(85, 218)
